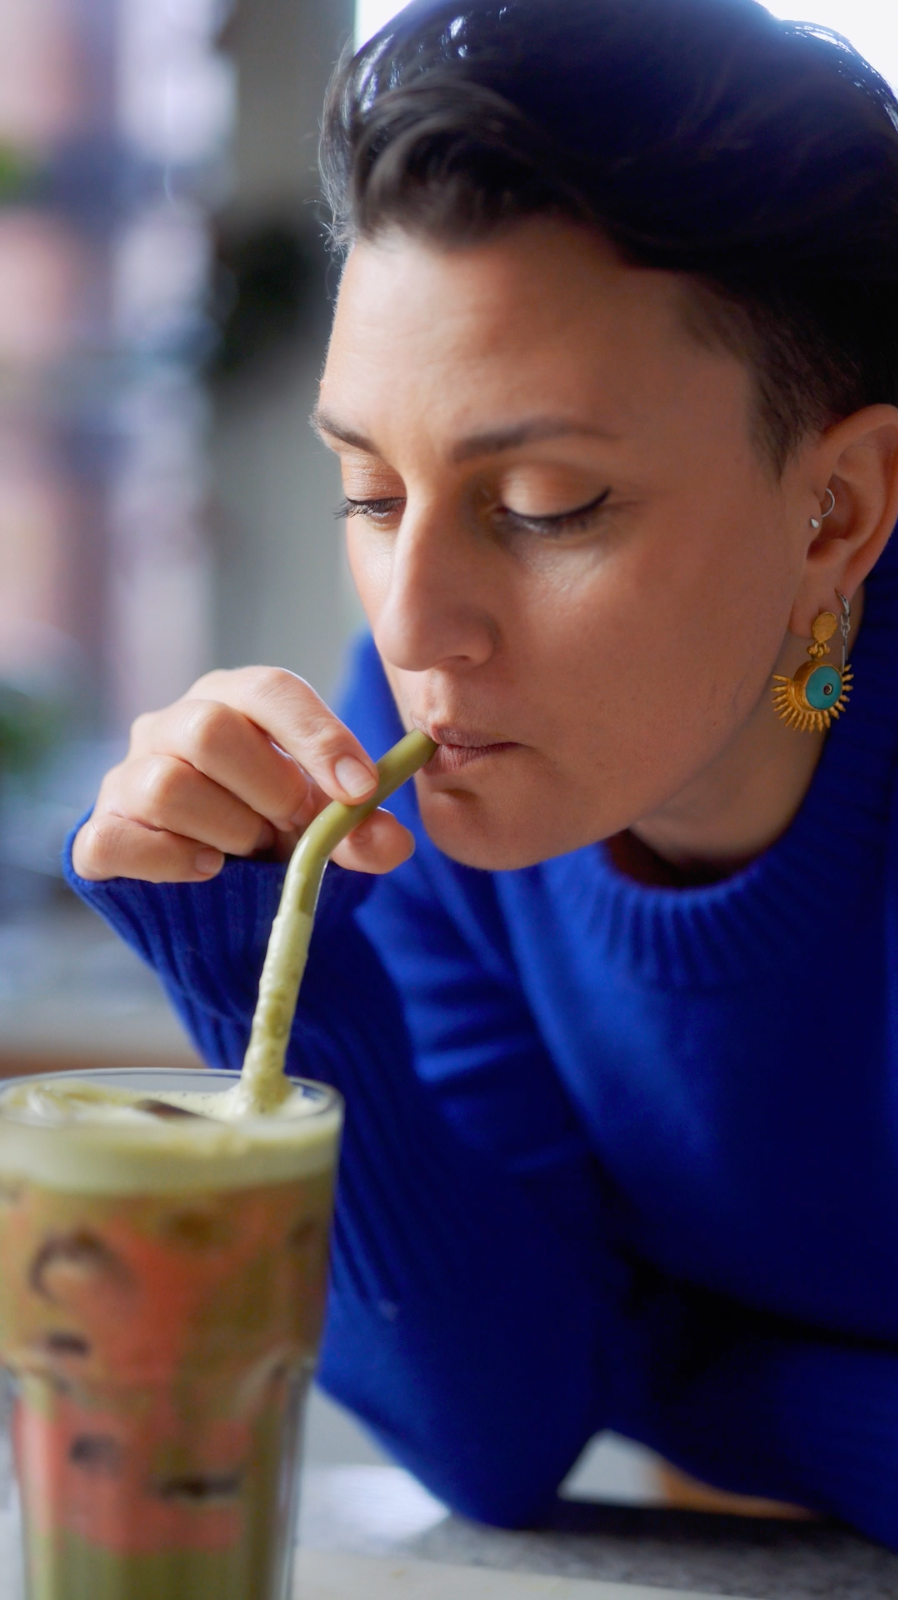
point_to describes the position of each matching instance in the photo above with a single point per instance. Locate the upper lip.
(463, 738)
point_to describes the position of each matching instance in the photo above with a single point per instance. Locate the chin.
(476, 834)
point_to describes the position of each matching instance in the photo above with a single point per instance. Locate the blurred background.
(163, 309)
(164, 303)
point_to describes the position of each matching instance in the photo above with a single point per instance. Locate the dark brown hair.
(758, 158)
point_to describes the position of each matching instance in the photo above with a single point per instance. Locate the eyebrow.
(530, 431)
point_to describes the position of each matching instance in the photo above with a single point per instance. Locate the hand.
(239, 766)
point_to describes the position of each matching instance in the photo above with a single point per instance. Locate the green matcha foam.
(90, 1136)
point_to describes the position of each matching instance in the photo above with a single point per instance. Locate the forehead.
(547, 312)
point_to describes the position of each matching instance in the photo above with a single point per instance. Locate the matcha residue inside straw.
(263, 1083)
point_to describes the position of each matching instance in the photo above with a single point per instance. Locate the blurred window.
(115, 118)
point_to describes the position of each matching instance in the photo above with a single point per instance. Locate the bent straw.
(263, 1082)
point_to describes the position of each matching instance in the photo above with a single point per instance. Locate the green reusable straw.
(263, 1083)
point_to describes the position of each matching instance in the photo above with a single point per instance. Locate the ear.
(858, 460)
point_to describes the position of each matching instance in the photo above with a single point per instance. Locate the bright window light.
(370, 15)
(871, 25)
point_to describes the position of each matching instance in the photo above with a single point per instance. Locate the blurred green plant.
(17, 173)
(30, 727)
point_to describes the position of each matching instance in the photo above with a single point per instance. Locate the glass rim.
(329, 1099)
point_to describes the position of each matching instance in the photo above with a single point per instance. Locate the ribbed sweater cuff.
(207, 941)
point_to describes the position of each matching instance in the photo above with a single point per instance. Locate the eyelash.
(562, 522)
(368, 508)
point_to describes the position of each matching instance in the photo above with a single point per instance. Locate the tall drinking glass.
(162, 1289)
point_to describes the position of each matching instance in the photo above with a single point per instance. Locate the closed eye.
(559, 522)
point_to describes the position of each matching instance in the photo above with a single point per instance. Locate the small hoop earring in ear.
(819, 691)
(816, 522)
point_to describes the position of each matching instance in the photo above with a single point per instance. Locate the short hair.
(757, 158)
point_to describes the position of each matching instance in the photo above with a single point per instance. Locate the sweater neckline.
(826, 860)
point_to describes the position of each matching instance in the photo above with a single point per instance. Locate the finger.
(117, 847)
(289, 711)
(168, 794)
(377, 845)
(230, 750)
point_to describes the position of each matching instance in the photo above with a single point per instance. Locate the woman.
(614, 386)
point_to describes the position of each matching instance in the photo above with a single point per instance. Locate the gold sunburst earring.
(819, 691)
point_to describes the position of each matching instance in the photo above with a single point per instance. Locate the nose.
(438, 597)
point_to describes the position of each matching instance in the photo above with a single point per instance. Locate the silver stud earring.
(817, 522)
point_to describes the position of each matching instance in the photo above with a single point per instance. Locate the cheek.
(369, 566)
(663, 651)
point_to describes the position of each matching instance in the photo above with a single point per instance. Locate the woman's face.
(577, 565)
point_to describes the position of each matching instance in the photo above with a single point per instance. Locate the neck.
(737, 806)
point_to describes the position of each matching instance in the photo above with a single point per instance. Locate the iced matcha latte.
(162, 1285)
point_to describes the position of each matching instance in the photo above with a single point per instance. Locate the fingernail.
(353, 777)
(208, 860)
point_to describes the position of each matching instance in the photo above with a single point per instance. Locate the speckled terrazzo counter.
(338, 1577)
(622, 1553)
(380, 1511)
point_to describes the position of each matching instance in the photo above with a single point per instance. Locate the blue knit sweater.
(685, 1099)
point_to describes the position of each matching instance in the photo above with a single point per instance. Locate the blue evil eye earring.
(819, 691)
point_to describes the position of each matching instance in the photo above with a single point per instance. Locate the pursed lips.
(461, 747)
